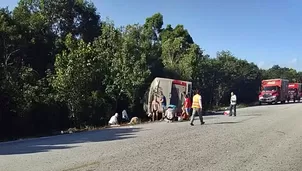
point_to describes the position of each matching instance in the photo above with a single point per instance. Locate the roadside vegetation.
(62, 67)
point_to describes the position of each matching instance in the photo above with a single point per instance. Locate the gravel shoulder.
(259, 138)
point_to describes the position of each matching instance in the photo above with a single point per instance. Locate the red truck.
(273, 91)
(294, 92)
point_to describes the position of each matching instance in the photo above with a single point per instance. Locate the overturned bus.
(173, 90)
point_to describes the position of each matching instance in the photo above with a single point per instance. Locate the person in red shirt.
(187, 105)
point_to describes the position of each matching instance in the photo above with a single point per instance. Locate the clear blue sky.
(265, 32)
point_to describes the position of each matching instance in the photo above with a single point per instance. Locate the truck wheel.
(282, 102)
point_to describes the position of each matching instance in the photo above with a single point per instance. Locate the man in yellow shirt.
(197, 108)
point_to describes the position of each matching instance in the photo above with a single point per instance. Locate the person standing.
(233, 104)
(163, 102)
(155, 108)
(197, 108)
(187, 105)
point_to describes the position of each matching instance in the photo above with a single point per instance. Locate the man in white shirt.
(113, 120)
(233, 104)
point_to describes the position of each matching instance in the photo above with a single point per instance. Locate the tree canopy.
(61, 66)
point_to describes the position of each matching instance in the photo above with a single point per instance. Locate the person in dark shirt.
(163, 101)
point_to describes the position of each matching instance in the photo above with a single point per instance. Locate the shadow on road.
(213, 113)
(223, 123)
(65, 141)
(254, 114)
(232, 122)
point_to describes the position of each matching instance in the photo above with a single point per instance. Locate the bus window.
(190, 90)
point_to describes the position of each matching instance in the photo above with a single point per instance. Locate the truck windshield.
(270, 88)
(292, 89)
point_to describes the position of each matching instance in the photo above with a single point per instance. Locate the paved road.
(259, 138)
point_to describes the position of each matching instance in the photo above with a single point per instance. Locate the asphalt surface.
(259, 138)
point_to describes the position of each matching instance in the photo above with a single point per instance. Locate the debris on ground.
(134, 121)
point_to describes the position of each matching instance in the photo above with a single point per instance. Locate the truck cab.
(269, 94)
(273, 91)
(294, 92)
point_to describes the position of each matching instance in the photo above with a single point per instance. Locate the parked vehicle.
(173, 90)
(273, 91)
(294, 92)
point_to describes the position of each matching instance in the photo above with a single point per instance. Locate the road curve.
(259, 138)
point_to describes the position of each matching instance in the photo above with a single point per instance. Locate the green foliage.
(129, 66)
(78, 80)
(282, 72)
(60, 67)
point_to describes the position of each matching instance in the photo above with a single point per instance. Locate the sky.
(266, 32)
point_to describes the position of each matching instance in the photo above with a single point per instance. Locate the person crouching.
(113, 120)
(169, 114)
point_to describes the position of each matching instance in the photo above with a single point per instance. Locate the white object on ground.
(180, 119)
(169, 113)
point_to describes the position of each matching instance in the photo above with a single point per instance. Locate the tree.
(179, 53)
(78, 17)
(80, 72)
(43, 25)
(128, 68)
(281, 72)
(152, 29)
